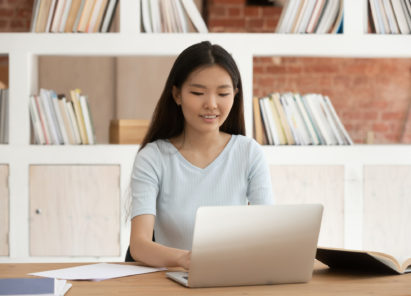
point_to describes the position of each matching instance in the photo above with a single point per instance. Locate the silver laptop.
(252, 245)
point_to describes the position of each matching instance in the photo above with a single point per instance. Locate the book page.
(406, 265)
(387, 260)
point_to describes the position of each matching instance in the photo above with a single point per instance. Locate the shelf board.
(344, 155)
(68, 154)
(255, 44)
(120, 154)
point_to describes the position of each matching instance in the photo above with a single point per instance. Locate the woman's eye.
(196, 93)
(224, 94)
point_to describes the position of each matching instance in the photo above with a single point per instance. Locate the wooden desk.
(324, 282)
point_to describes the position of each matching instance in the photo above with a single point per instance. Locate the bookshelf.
(348, 168)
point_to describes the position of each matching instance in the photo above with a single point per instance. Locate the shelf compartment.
(371, 95)
(118, 87)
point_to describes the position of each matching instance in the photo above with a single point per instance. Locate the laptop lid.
(253, 245)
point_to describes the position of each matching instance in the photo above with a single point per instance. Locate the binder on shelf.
(296, 119)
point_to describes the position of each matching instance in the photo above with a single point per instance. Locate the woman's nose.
(211, 102)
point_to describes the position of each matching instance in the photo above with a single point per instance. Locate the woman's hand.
(184, 260)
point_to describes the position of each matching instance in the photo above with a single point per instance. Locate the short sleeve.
(145, 181)
(259, 189)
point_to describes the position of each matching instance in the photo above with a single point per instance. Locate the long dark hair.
(168, 120)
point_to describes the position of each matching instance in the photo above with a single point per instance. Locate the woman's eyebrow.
(202, 86)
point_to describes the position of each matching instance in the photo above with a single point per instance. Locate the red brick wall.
(371, 96)
(15, 15)
(235, 16)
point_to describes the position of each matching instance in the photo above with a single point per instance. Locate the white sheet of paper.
(96, 272)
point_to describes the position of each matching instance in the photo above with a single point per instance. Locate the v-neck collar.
(212, 164)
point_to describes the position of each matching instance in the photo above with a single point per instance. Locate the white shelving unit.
(24, 48)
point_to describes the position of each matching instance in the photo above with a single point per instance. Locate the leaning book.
(362, 261)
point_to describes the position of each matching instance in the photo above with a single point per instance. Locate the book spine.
(50, 15)
(50, 95)
(306, 119)
(44, 125)
(308, 108)
(258, 124)
(79, 116)
(278, 125)
(266, 122)
(87, 119)
(48, 118)
(34, 15)
(73, 122)
(67, 126)
(109, 15)
(195, 16)
(60, 121)
(38, 133)
(271, 122)
(64, 16)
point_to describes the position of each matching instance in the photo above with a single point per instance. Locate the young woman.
(194, 154)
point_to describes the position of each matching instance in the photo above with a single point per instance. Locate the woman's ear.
(176, 95)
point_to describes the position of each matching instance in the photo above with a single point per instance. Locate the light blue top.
(165, 184)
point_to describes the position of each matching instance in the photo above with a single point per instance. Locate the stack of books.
(59, 16)
(176, 16)
(391, 16)
(57, 120)
(4, 116)
(33, 286)
(311, 16)
(294, 119)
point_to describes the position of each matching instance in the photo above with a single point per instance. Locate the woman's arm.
(259, 189)
(143, 249)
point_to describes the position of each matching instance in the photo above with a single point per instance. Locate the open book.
(362, 260)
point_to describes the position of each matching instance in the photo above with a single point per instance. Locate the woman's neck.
(201, 143)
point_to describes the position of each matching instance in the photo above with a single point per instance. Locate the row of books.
(295, 119)
(391, 16)
(4, 116)
(311, 16)
(171, 16)
(59, 120)
(86, 16)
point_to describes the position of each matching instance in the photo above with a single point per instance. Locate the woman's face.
(206, 98)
